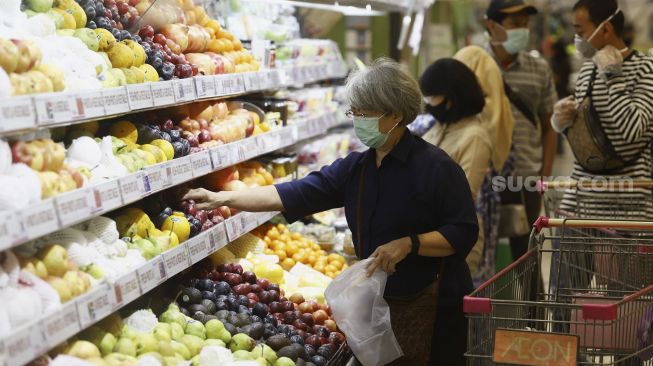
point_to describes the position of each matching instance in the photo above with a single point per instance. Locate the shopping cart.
(514, 319)
(606, 199)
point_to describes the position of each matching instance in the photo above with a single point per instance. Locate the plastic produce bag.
(363, 315)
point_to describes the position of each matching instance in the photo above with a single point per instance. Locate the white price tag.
(17, 113)
(41, 218)
(238, 84)
(132, 187)
(184, 90)
(201, 162)
(226, 159)
(218, 238)
(181, 170)
(216, 157)
(249, 221)
(115, 100)
(253, 81)
(157, 176)
(198, 247)
(322, 72)
(151, 274)
(248, 148)
(222, 84)
(176, 260)
(109, 195)
(53, 108)
(62, 325)
(95, 306)
(234, 227)
(12, 229)
(140, 96)
(24, 345)
(285, 76)
(75, 206)
(205, 86)
(162, 93)
(126, 289)
(88, 104)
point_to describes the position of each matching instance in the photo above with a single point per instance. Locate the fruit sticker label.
(198, 248)
(109, 193)
(41, 219)
(184, 90)
(25, 344)
(126, 289)
(140, 96)
(201, 162)
(151, 274)
(176, 260)
(75, 206)
(181, 170)
(17, 113)
(90, 104)
(234, 227)
(162, 93)
(62, 325)
(53, 108)
(131, 187)
(95, 305)
(115, 100)
(205, 86)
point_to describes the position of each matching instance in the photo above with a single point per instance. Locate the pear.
(55, 258)
(62, 287)
(83, 350)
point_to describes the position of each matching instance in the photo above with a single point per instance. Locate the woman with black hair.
(454, 97)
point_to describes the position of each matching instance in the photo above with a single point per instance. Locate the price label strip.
(201, 162)
(17, 113)
(126, 289)
(89, 104)
(115, 100)
(75, 206)
(234, 228)
(163, 93)
(95, 305)
(151, 274)
(218, 238)
(132, 187)
(140, 96)
(62, 325)
(109, 195)
(157, 176)
(25, 345)
(181, 170)
(184, 90)
(176, 260)
(53, 108)
(205, 86)
(41, 218)
(198, 247)
(10, 229)
(216, 157)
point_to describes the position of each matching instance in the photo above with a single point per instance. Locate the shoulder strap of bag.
(359, 212)
(516, 100)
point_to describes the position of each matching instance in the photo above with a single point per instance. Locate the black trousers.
(533, 204)
(449, 341)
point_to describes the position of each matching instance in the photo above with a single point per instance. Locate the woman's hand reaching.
(205, 199)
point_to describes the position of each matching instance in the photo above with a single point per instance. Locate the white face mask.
(584, 47)
(516, 39)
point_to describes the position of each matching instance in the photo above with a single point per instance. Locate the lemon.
(156, 151)
(68, 19)
(124, 129)
(121, 55)
(178, 225)
(165, 146)
(150, 159)
(174, 240)
(150, 72)
(137, 49)
(107, 40)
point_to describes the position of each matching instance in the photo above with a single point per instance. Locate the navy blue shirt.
(417, 189)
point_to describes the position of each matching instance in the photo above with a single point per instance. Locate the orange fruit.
(267, 240)
(316, 247)
(336, 257)
(268, 251)
(281, 227)
(330, 268)
(336, 264)
(312, 259)
(292, 249)
(319, 268)
(287, 264)
(330, 274)
(322, 253)
(273, 233)
(281, 254)
(295, 236)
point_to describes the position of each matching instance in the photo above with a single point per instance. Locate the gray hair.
(384, 87)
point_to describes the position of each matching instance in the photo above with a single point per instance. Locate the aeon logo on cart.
(539, 183)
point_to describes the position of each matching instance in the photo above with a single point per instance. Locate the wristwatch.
(414, 244)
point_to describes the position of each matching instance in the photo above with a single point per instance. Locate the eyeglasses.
(352, 114)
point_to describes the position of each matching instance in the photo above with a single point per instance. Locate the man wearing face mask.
(408, 205)
(530, 87)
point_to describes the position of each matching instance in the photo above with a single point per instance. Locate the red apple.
(275, 295)
(242, 289)
(254, 297)
(249, 277)
(313, 340)
(320, 331)
(204, 124)
(264, 283)
(289, 317)
(232, 279)
(265, 297)
(336, 338)
(255, 288)
(237, 269)
(217, 220)
(297, 323)
(287, 306)
(204, 136)
(202, 216)
(308, 319)
(252, 303)
(314, 304)
(275, 306)
(206, 225)
(225, 212)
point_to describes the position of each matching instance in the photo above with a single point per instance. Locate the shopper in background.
(499, 122)
(407, 203)
(530, 88)
(454, 98)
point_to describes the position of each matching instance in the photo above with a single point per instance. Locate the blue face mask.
(367, 130)
(517, 40)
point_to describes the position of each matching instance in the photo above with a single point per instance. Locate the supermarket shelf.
(82, 204)
(46, 332)
(24, 113)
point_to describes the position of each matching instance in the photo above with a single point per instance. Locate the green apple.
(96, 271)
(284, 361)
(55, 258)
(163, 332)
(243, 355)
(213, 328)
(171, 316)
(119, 359)
(195, 361)
(196, 328)
(125, 346)
(166, 349)
(146, 248)
(146, 343)
(214, 342)
(193, 343)
(39, 6)
(262, 361)
(242, 342)
(181, 350)
(107, 343)
(127, 332)
(177, 330)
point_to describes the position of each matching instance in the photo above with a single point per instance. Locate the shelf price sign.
(162, 93)
(140, 96)
(12, 229)
(205, 86)
(201, 162)
(184, 90)
(181, 170)
(234, 227)
(53, 108)
(25, 344)
(62, 325)
(218, 238)
(151, 274)
(17, 113)
(132, 187)
(95, 306)
(198, 247)
(157, 176)
(75, 206)
(126, 289)
(176, 260)
(109, 193)
(115, 100)
(40, 218)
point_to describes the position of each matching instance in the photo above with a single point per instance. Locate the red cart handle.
(544, 222)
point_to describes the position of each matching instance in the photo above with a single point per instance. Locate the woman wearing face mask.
(407, 203)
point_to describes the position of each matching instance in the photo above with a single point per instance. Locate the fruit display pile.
(221, 315)
(90, 44)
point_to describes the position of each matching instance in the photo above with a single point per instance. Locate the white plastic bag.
(363, 315)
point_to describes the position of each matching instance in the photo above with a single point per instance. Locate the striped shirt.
(625, 106)
(531, 79)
